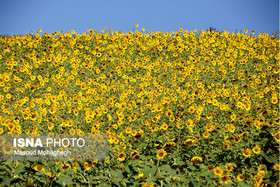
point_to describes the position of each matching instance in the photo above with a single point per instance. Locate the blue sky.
(20, 17)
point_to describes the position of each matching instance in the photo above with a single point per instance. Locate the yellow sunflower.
(240, 177)
(196, 159)
(161, 153)
(218, 171)
(257, 149)
(247, 152)
(39, 168)
(8, 149)
(121, 156)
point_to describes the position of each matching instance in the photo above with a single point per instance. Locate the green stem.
(29, 170)
(157, 167)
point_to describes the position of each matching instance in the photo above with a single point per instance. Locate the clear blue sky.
(20, 17)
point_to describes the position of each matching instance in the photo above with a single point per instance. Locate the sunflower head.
(196, 159)
(218, 171)
(161, 154)
(121, 156)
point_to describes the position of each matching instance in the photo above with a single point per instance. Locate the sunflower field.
(184, 108)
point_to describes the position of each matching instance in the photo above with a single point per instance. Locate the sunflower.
(247, 152)
(11, 126)
(210, 127)
(189, 142)
(87, 165)
(196, 159)
(210, 167)
(138, 136)
(65, 166)
(240, 177)
(72, 131)
(226, 178)
(218, 171)
(259, 179)
(257, 149)
(128, 130)
(137, 157)
(93, 163)
(147, 185)
(133, 133)
(133, 153)
(169, 113)
(76, 112)
(169, 145)
(206, 134)
(8, 149)
(161, 153)
(276, 167)
(71, 157)
(229, 167)
(164, 126)
(191, 109)
(277, 183)
(189, 122)
(39, 168)
(209, 116)
(172, 118)
(121, 156)
(274, 100)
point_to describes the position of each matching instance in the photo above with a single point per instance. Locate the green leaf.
(104, 184)
(21, 169)
(64, 180)
(141, 145)
(191, 183)
(6, 181)
(268, 174)
(153, 170)
(126, 168)
(168, 170)
(267, 158)
(202, 166)
(242, 184)
(97, 178)
(226, 185)
(70, 171)
(40, 173)
(117, 175)
(192, 167)
(252, 170)
(4, 169)
(161, 175)
(178, 161)
(147, 170)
